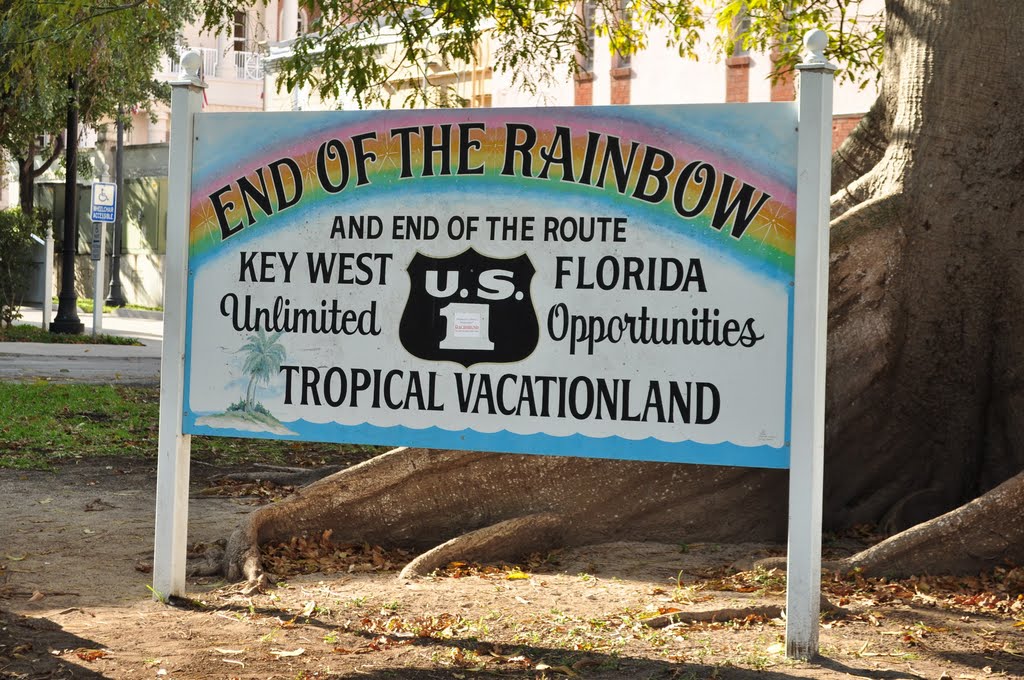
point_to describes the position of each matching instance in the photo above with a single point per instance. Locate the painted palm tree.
(263, 360)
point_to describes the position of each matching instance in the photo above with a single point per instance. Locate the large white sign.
(612, 282)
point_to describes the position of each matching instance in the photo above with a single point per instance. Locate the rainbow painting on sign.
(603, 281)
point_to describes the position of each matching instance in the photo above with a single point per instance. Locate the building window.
(625, 18)
(302, 23)
(587, 58)
(740, 29)
(239, 32)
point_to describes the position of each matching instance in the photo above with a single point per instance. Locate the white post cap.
(191, 62)
(815, 42)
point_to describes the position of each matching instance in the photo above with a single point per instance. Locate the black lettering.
(739, 204)
(466, 144)
(283, 201)
(524, 148)
(222, 209)
(651, 170)
(333, 151)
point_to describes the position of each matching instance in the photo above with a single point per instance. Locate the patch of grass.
(29, 333)
(87, 305)
(43, 425)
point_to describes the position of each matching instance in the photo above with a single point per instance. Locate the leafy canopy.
(356, 49)
(111, 48)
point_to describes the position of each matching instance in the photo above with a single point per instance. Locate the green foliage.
(364, 50)
(242, 406)
(263, 359)
(109, 49)
(27, 333)
(856, 36)
(15, 262)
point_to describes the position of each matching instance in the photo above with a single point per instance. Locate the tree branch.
(58, 148)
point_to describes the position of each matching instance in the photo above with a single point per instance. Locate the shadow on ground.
(39, 648)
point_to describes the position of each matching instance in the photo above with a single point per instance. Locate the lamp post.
(115, 298)
(67, 320)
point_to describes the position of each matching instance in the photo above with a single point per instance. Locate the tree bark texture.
(420, 498)
(926, 359)
(925, 405)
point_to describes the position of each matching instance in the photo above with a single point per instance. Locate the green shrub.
(16, 232)
(242, 406)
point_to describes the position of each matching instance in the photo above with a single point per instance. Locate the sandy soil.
(74, 602)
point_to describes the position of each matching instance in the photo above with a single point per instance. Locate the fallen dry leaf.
(281, 652)
(564, 670)
(90, 654)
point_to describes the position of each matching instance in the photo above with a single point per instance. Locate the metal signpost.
(102, 212)
(46, 274)
(641, 282)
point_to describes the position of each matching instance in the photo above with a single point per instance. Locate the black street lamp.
(67, 320)
(115, 298)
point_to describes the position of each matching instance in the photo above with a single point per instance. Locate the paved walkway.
(21, 361)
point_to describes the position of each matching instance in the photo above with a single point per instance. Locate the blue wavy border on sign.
(725, 453)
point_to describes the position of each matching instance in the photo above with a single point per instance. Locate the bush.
(242, 406)
(16, 232)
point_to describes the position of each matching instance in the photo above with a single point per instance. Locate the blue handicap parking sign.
(104, 202)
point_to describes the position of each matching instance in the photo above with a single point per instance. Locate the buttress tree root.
(487, 506)
(977, 535)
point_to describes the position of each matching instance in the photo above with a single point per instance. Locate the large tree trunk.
(926, 361)
(925, 407)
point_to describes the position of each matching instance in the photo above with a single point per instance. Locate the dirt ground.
(74, 603)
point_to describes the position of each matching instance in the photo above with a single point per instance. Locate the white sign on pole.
(104, 202)
(99, 241)
(611, 281)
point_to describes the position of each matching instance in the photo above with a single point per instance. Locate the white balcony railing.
(209, 55)
(248, 65)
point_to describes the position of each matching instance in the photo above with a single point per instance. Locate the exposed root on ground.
(767, 611)
(974, 537)
(205, 560)
(283, 476)
(453, 505)
(984, 532)
(504, 541)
